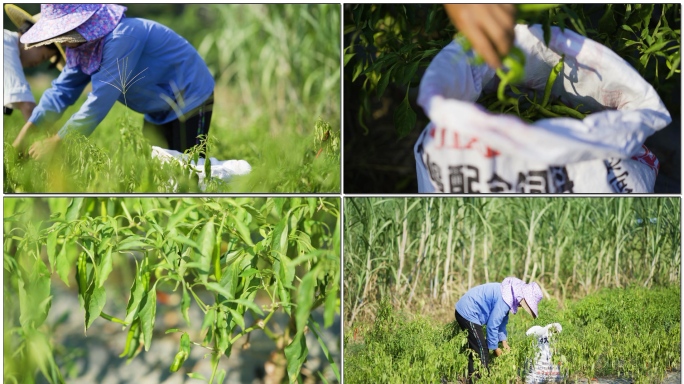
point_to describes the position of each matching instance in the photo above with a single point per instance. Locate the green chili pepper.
(81, 272)
(535, 7)
(129, 339)
(217, 260)
(183, 353)
(178, 361)
(564, 110)
(558, 68)
(135, 342)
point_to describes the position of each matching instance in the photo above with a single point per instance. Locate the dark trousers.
(184, 133)
(476, 342)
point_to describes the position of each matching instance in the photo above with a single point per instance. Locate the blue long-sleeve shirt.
(484, 305)
(166, 65)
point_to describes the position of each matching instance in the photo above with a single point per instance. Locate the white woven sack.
(542, 369)
(468, 149)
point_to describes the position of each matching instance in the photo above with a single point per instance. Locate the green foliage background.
(277, 105)
(387, 48)
(286, 250)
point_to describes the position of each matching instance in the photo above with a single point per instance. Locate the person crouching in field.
(140, 63)
(17, 91)
(489, 304)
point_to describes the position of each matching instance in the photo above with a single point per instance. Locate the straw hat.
(58, 24)
(19, 17)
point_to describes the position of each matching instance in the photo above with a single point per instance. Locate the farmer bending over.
(140, 63)
(17, 91)
(489, 304)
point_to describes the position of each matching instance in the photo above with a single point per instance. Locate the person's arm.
(106, 84)
(488, 27)
(64, 92)
(26, 108)
(495, 323)
(503, 332)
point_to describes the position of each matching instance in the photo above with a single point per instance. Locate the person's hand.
(498, 352)
(44, 147)
(506, 347)
(488, 27)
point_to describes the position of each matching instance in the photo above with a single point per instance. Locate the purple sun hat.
(532, 294)
(514, 291)
(58, 19)
(73, 23)
(88, 24)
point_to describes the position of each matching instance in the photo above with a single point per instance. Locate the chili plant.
(230, 249)
(387, 46)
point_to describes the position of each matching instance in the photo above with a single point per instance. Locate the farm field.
(173, 288)
(609, 270)
(277, 106)
(631, 333)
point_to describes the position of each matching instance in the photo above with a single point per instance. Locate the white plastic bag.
(467, 149)
(223, 170)
(542, 369)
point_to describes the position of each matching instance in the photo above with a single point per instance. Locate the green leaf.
(178, 217)
(305, 299)
(34, 295)
(296, 354)
(197, 376)
(607, 23)
(63, 265)
(206, 241)
(184, 240)
(52, 248)
(313, 326)
(105, 267)
(260, 219)
(238, 318)
(147, 316)
(279, 238)
(221, 376)
(404, 118)
(207, 324)
(384, 81)
(347, 57)
(248, 304)
(656, 47)
(96, 301)
(72, 211)
(137, 293)
(627, 28)
(330, 305)
(221, 290)
(135, 244)
(312, 205)
(243, 231)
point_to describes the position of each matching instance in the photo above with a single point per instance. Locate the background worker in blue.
(489, 304)
(138, 62)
